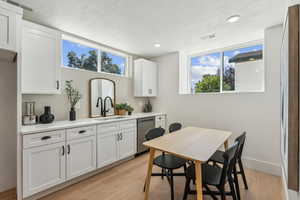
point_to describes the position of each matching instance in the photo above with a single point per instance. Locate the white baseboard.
(284, 185)
(263, 166)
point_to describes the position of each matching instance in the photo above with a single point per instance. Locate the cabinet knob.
(63, 150)
(82, 131)
(69, 149)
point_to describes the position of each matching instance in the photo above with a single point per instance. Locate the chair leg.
(186, 188)
(236, 182)
(243, 173)
(172, 184)
(232, 190)
(223, 195)
(162, 173)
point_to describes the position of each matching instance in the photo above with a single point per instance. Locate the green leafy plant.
(73, 93)
(129, 108)
(121, 106)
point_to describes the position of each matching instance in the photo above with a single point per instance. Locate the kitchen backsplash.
(59, 104)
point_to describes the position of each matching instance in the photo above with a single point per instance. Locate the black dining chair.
(174, 127)
(217, 157)
(214, 175)
(167, 162)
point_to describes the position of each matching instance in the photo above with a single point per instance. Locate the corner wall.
(8, 125)
(256, 113)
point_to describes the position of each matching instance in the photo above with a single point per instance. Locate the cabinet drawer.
(45, 138)
(76, 133)
(131, 124)
(108, 128)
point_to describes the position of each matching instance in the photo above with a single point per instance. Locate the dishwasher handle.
(146, 119)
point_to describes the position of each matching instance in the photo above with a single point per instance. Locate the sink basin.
(110, 118)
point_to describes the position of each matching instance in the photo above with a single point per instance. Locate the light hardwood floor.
(125, 182)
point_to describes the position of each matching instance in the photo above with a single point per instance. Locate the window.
(233, 70)
(205, 73)
(97, 59)
(243, 69)
(111, 63)
(79, 56)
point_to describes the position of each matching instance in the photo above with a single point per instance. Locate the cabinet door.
(7, 30)
(40, 59)
(43, 167)
(149, 79)
(81, 156)
(106, 149)
(127, 143)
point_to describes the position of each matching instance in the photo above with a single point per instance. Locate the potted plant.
(121, 108)
(74, 96)
(129, 109)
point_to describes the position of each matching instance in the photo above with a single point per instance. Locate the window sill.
(227, 92)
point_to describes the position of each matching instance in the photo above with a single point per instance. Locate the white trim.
(284, 185)
(262, 166)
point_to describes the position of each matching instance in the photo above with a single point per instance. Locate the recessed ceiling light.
(233, 18)
(157, 45)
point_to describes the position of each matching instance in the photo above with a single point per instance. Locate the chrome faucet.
(104, 102)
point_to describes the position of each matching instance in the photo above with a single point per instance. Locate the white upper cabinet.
(10, 18)
(41, 52)
(145, 78)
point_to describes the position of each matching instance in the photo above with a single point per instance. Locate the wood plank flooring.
(125, 182)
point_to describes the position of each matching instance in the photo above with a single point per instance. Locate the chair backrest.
(230, 157)
(154, 133)
(241, 140)
(174, 127)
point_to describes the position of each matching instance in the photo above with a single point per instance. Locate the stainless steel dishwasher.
(143, 126)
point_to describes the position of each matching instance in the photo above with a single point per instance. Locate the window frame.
(221, 51)
(99, 48)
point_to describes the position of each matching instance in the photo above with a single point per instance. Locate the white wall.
(8, 125)
(256, 113)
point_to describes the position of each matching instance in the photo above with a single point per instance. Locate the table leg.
(149, 172)
(198, 180)
(226, 145)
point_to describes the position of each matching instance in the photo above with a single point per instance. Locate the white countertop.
(56, 125)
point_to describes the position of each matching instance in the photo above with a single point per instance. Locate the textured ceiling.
(135, 25)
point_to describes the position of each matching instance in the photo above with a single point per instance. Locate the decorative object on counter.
(47, 117)
(121, 108)
(29, 117)
(147, 106)
(73, 96)
(129, 109)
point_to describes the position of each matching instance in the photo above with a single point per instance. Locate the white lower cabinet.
(160, 121)
(43, 167)
(127, 143)
(51, 158)
(115, 142)
(107, 149)
(81, 156)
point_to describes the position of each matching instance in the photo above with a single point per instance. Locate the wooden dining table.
(191, 143)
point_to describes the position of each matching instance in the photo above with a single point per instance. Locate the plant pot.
(121, 112)
(129, 113)
(47, 117)
(72, 114)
